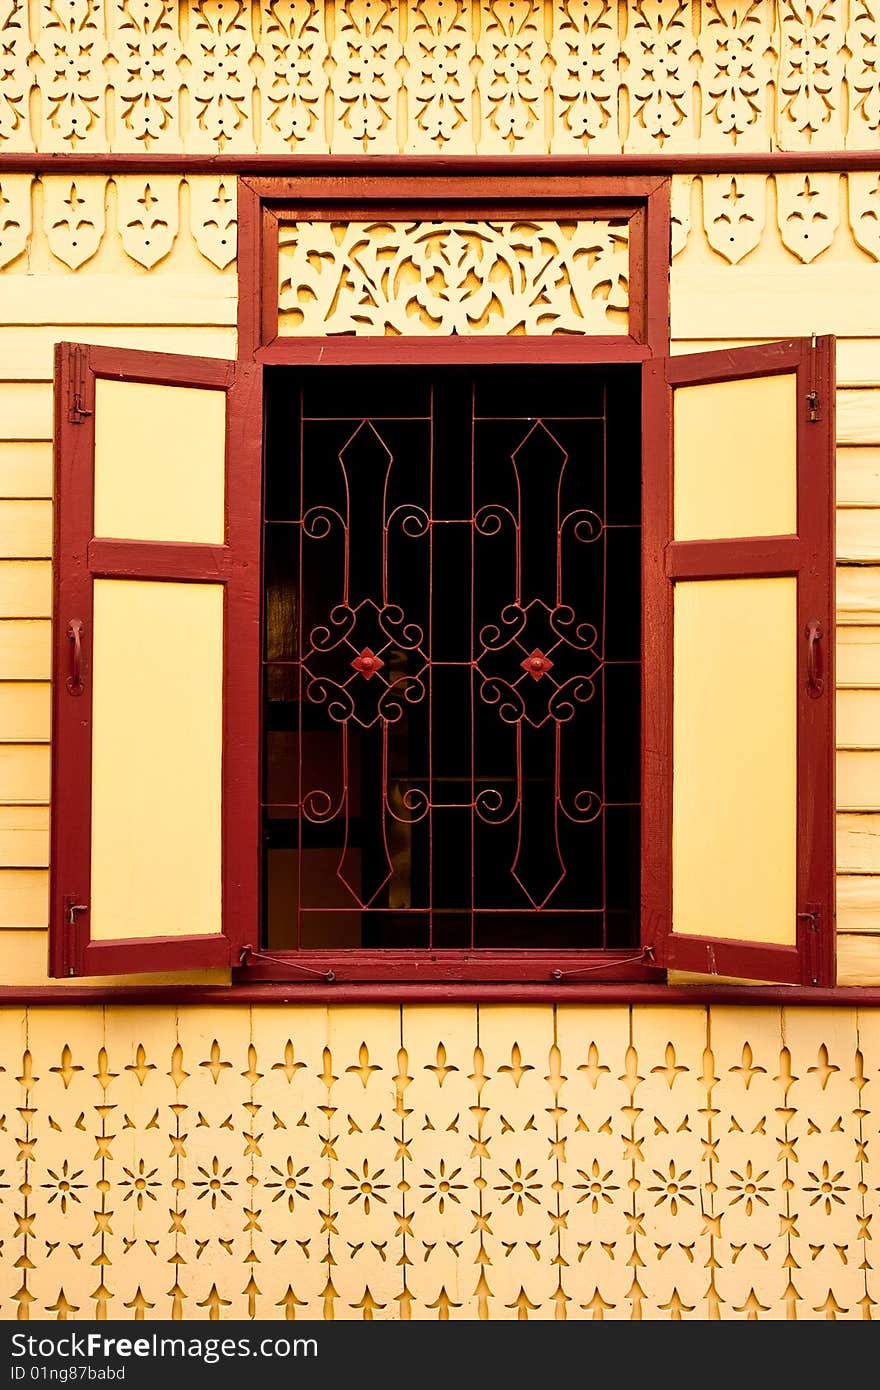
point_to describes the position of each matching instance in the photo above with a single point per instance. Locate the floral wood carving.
(453, 278)
(574, 1163)
(431, 76)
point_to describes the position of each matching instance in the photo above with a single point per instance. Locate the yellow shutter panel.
(739, 792)
(155, 730)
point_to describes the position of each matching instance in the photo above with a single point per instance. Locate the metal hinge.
(76, 410)
(71, 908)
(813, 407)
(812, 920)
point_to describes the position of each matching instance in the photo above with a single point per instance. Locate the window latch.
(72, 909)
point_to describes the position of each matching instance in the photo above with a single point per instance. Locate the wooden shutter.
(156, 661)
(738, 770)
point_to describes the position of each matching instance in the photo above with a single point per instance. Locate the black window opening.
(452, 659)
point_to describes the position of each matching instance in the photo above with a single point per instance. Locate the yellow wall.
(424, 1163)
(655, 1162)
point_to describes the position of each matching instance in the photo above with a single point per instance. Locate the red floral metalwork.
(537, 664)
(368, 663)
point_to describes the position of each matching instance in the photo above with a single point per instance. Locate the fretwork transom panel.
(454, 277)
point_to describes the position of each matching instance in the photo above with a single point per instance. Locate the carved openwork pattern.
(379, 1163)
(447, 278)
(435, 76)
(154, 219)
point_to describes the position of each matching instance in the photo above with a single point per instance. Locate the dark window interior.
(451, 729)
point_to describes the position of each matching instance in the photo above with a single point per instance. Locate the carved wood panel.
(438, 76)
(279, 1162)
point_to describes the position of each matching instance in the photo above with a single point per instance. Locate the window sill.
(439, 993)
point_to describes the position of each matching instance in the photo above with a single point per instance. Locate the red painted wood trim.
(269, 275)
(643, 203)
(242, 693)
(346, 351)
(117, 559)
(656, 759)
(428, 199)
(427, 185)
(159, 953)
(811, 556)
(249, 213)
(281, 165)
(162, 368)
(414, 967)
(817, 851)
(237, 565)
(658, 258)
(402, 995)
(758, 557)
(709, 955)
(70, 822)
(720, 364)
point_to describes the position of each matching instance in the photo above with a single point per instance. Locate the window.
(451, 668)
(452, 648)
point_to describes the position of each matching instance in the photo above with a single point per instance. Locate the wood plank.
(774, 301)
(25, 468)
(25, 409)
(858, 960)
(858, 843)
(25, 711)
(25, 650)
(858, 476)
(71, 301)
(858, 780)
(858, 656)
(858, 594)
(24, 898)
(24, 837)
(25, 588)
(26, 353)
(858, 719)
(858, 416)
(25, 528)
(858, 534)
(858, 903)
(858, 359)
(24, 773)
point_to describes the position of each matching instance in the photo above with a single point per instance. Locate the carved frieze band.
(435, 76)
(811, 216)
(525, 1163)
(460, 277)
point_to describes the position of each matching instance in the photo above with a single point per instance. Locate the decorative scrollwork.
(414, 800)
(564, 701)
(405, 635)
(495, 636)
(406, 690)
(338, 700)
(490, 807)
(324, 638)
(511, 705)
(583, 636)
(584, 807)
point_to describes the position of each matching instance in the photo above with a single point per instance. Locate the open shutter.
(738, 770)
(154, 860)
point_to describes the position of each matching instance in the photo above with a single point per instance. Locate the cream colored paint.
(156, 759)
(735, 461)
(159, 462)
(734, 758)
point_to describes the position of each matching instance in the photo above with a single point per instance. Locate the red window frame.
(262, 204)
(466, 191)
